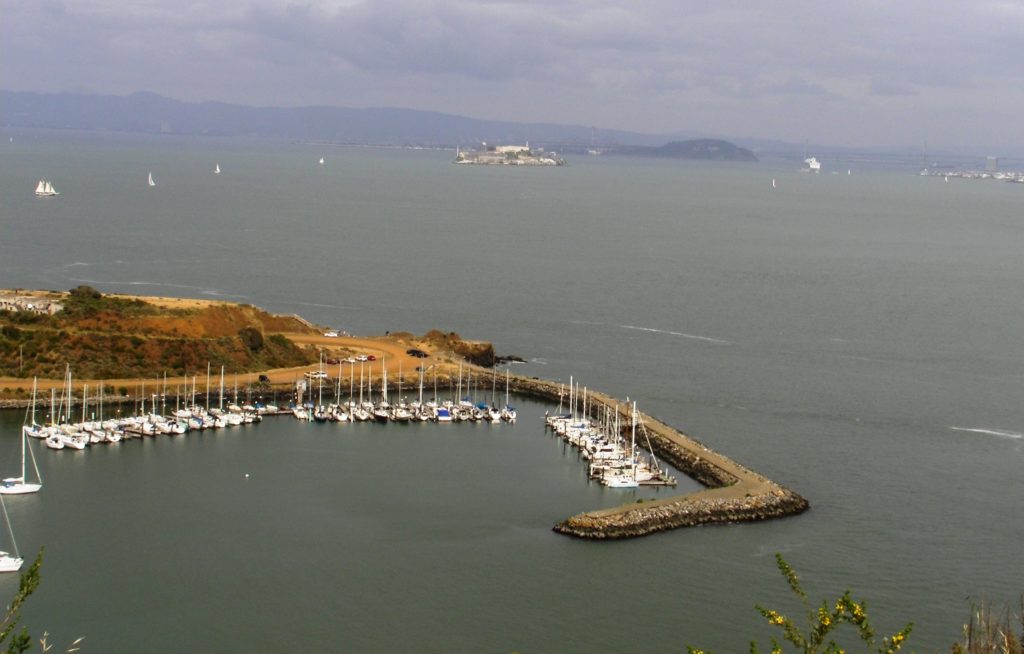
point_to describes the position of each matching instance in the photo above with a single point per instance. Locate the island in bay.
(507, 155)
(118, 345)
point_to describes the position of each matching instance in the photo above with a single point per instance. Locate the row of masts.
(362, 407)
(64, 430)
(615, 457)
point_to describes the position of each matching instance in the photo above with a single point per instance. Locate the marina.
(604, 431)
(821, 376)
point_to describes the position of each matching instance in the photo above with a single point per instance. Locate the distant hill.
(154, 114)
(705, 149)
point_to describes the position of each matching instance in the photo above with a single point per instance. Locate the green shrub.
(818, 635)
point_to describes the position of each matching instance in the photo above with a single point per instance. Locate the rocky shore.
(733, 494)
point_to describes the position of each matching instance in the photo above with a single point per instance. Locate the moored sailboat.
(18, 485)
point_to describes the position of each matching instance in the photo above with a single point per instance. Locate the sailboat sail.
(45, 189)
(151, 182)
(216, 169)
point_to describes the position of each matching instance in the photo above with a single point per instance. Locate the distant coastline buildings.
(16, 303)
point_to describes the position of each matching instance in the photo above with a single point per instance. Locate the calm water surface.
(854, 337)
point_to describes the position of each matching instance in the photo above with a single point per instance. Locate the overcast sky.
(851, 73)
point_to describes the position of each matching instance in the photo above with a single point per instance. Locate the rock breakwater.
(734, 493)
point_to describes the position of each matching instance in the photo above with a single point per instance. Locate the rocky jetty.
(733, 493)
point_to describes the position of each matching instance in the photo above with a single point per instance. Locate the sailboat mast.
(632, 442)
(23, 439)
(10, 531)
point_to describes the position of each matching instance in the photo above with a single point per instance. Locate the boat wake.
(200, 289)
(991, 432)
(695, 337)
(323, 306)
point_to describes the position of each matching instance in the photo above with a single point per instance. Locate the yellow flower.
(775, 618)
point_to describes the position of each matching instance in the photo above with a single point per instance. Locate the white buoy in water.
(247, 475)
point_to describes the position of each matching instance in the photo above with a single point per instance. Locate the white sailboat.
(321, 161)
(44, 189)
(773, 182)
(151, 182)
(216, 169)
(9, 563)
(18, 485)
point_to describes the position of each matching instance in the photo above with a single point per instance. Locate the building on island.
(507, 155)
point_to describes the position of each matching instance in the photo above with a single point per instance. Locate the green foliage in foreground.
(818, 634)
(20, 641)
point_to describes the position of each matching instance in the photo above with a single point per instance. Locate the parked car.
(331, 334)
(264, 378)
(332, 362)
(316, 374)
(370, 357)
(362, 357)
(416, 353)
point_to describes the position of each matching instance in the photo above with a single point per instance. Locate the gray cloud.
(722, 66)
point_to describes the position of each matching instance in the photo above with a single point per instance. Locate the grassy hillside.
(114, 337)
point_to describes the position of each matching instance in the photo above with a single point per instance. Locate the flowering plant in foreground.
(817, 637)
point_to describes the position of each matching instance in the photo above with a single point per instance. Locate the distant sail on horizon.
(151, 182)
(44, 189)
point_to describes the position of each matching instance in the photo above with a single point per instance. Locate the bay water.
(854, 337)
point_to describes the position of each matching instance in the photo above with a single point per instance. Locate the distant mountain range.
(154, 114)
(149, 113)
